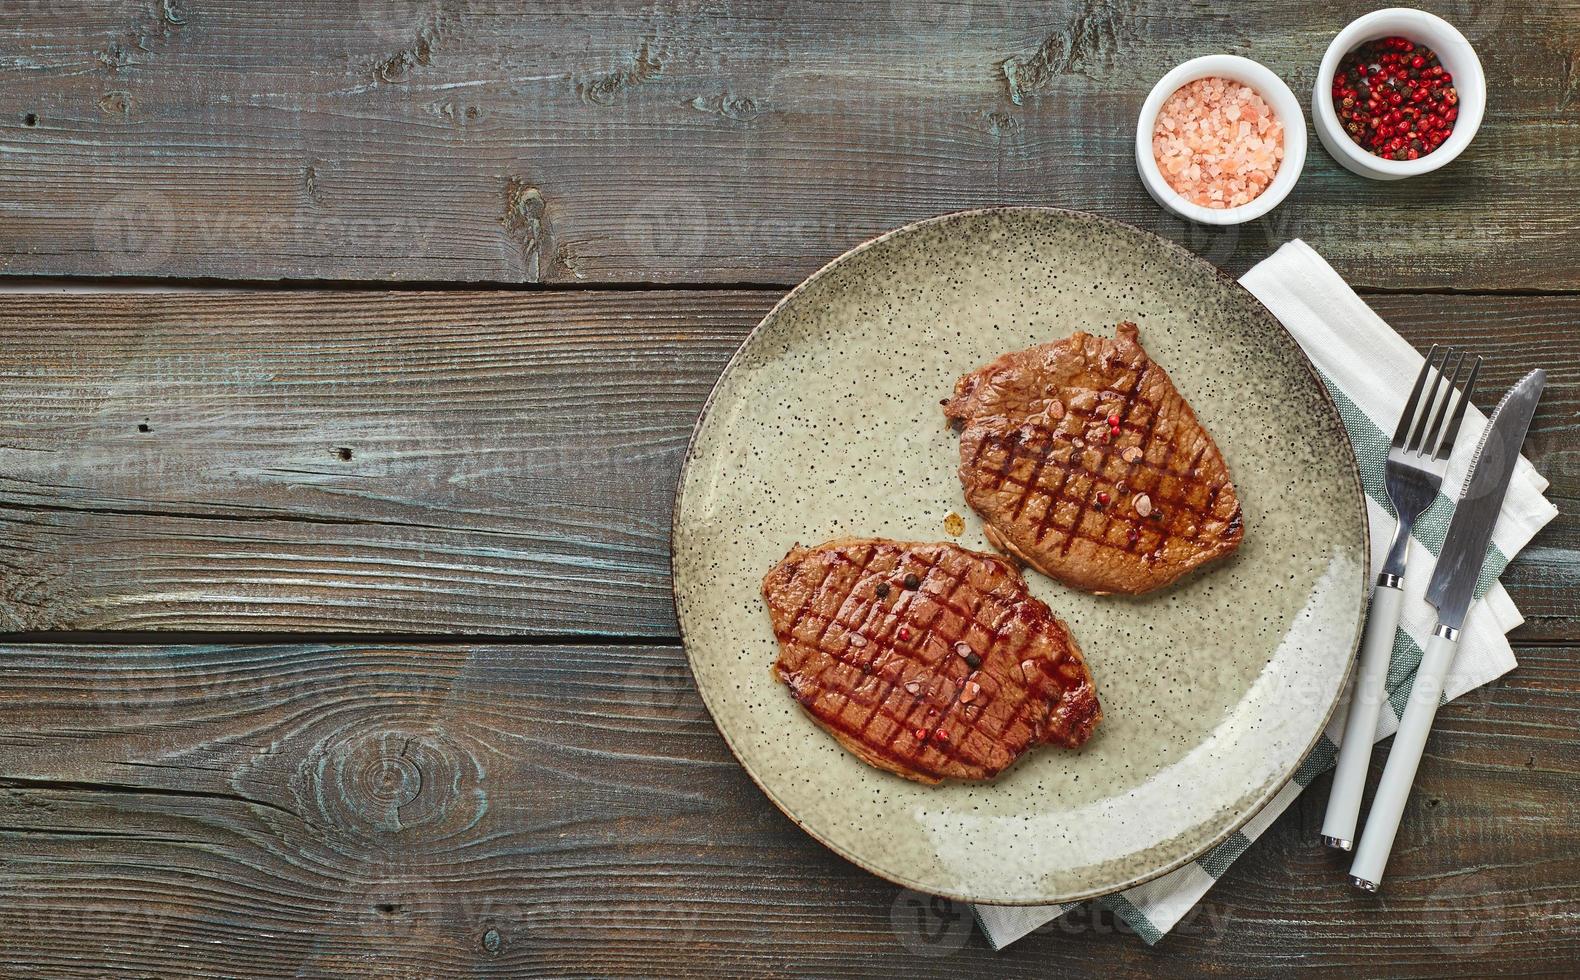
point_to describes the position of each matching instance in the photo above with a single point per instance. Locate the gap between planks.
(154, 638)
(24, 285)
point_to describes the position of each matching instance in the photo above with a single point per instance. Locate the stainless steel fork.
(1417, 458)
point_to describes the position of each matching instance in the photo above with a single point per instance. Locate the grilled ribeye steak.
(1087, 464)
(927, 660)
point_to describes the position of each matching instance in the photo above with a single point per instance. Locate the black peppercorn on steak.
(926, 660)
(1087, 464)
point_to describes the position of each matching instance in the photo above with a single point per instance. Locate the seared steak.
(1087, 464)
(926, 660)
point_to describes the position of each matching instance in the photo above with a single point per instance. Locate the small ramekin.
(1272, 90)
(1458, 59)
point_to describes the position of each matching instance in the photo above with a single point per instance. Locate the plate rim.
(1353, 470)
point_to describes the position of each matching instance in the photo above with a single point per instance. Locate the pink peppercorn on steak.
(1087, 464)
(926, 660)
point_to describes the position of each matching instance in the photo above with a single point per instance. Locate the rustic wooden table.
(349, 350)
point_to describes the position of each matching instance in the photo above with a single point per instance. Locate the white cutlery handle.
(1355, 751)
(1382, 823)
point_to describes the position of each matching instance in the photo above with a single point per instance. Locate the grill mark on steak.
(1030, 490)
(1051, 504)
(842, 659)
(1043, 455)
(1127, 407)
(1013, 453)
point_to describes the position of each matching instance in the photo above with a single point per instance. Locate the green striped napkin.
(1369, 369)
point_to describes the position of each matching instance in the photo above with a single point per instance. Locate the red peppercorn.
(1113, 420)
(904, 633)
(1394, 98)
(921, 734)
(941, 735)
(1102, 497)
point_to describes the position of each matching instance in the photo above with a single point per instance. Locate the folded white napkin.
(1369, 370)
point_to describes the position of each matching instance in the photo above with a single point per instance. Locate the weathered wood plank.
(667, 141)
(401, 462)
(451, 811)
(454, 462)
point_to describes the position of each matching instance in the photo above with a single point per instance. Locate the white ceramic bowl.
(1278, 97)
(1458, 59)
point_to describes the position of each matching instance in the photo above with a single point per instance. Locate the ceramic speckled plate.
(826, 423)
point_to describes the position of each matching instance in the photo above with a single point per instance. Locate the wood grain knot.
(393, 780)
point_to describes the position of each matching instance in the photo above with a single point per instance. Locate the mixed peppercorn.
(1395, 99)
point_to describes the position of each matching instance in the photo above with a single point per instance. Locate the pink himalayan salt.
(1217, 142)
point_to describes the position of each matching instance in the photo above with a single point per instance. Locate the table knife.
(1451, 590)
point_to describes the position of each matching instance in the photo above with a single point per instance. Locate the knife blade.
(1464, 549)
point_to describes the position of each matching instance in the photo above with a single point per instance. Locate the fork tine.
(1412, 405)
(1437, 406)
(1441, 414)
(1450, 433)
(1423, 411)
